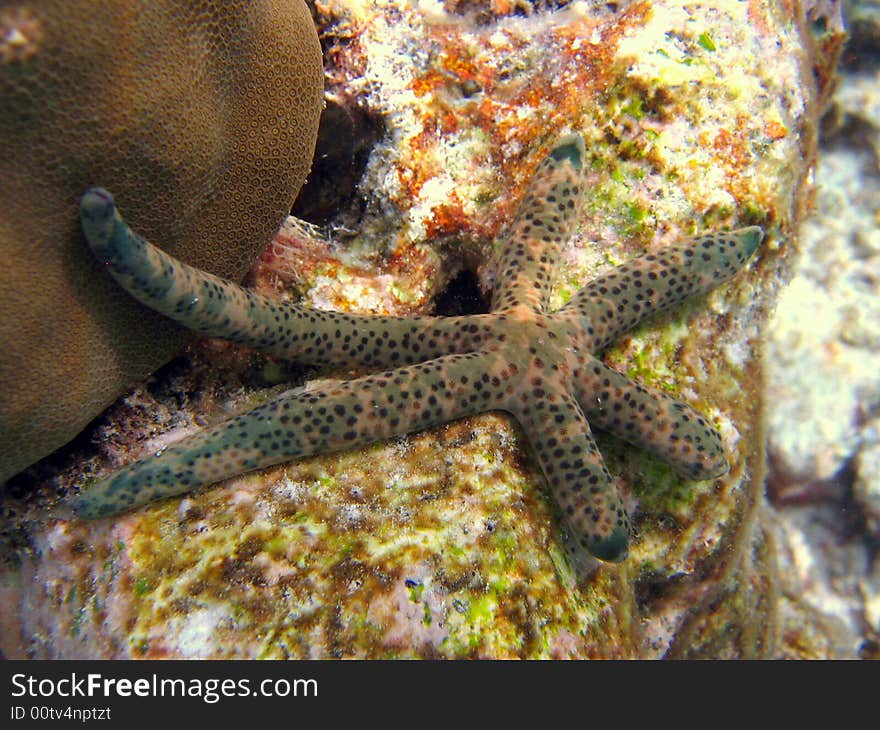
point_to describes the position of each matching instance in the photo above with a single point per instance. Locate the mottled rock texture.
(823, 385)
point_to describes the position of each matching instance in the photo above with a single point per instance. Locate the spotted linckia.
(520, 358)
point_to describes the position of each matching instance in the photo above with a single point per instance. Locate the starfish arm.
(299, 424)
(584, 490)
(619, 300)
(215, 307)
(544, 223)
(666, 427)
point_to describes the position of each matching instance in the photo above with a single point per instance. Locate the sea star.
(519, 358)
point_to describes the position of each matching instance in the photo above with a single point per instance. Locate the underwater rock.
(445, 543)
(824, 339)
(821, 579)
(823, 391)
(863, 21)
(202, 118)
(866, 487)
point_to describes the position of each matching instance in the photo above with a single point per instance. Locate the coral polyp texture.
(203, 115)
(520, 358)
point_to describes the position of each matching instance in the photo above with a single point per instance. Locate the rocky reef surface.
(445, 543)
(824, 381)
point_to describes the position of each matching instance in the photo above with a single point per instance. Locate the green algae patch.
(705, 41)
(142, 586)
